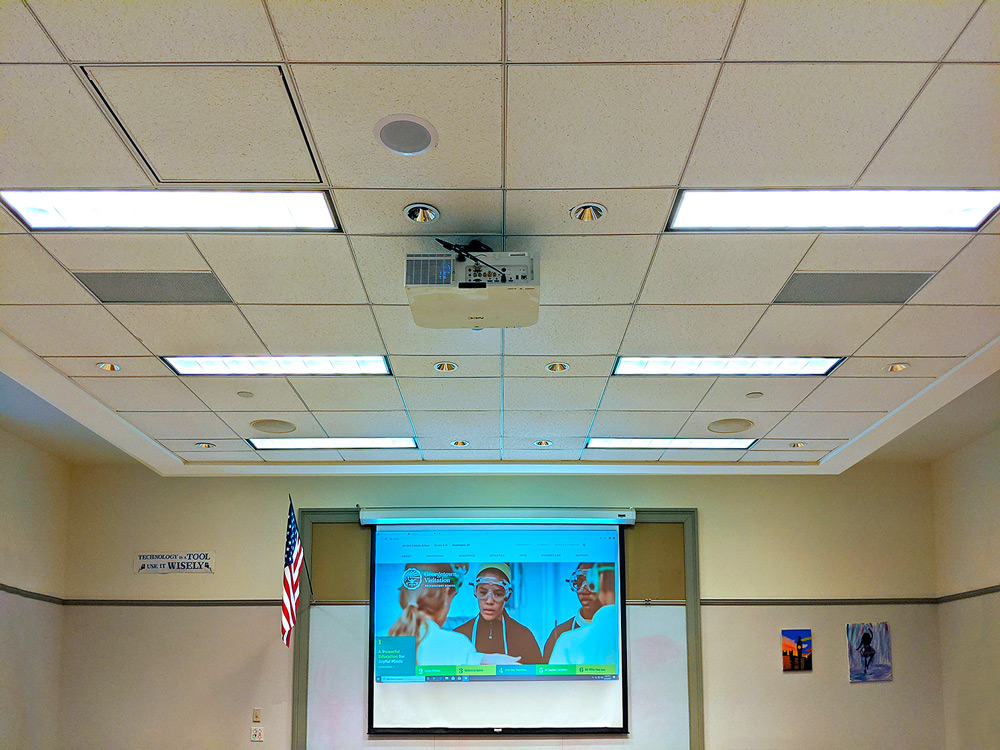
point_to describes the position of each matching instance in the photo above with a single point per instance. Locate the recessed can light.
(108, 366)
(557, 367)
(896, 367)
(244, 394)
(726, 426)
(459, 443)
(796, 445)
(421, 213)
(755, 394)
(407, 135)
(445, 366)
(204, 445)
(588, 211)
(543, 443)
(273, 426)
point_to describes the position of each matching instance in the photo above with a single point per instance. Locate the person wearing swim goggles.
(493, 630)
(586, 592)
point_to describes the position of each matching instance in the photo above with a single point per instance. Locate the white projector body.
(445, 292)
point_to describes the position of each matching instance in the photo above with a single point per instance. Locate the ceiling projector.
(470, 286)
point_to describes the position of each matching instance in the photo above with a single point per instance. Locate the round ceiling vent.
(406, 134)
(730, 425)
(273, 426)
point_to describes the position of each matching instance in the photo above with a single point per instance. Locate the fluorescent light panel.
(726, 365)
(170, 209)
(679, 443)
(299, 444)
(278, 365)
(833, 209)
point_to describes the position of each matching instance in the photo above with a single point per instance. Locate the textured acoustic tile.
(821, 446)
(814, 330)
(653, 424)
(348, 393)
(382, 211)
(88, 366)
(559, 327)
(414, 366)
(433, 394)
(403, 336)
(530, 366)
(444, 445)
(549, 394)
(28, 275)
(202, 457)
(971, 278)
(457, 425)
(21, 38)
(376, 455)
(69, 330)
(688, 455)
(180, 425)
(863, 394)
(461, 455)
(878, 367)
(635, 211)
(883, 252)
(558, 444)
(794, 457)
(980, 41)
(540, 455)
(301, 456)
(122, 251)
(654, 393)
(265, 393)
(142, 394)
(190, 330)
(689, 330)
(224, 445)
(546, 425)
(698, 425)
(620, 454)
(364, 423)
(305, 423)
(775, 393)
(935, 331)
(315, 329)
(810, 425)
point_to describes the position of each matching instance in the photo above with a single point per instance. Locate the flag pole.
(312, 591)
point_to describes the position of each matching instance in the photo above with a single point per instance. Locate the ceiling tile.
(301, 456)
(381, 211)
(782, 456)
(689, 330)
(457, 425)
(993, 227)
(190, 330)
(130, 366)
(799, 125)
(934, 331)
(763, 422)
(142, 394)
(222, 393)
(546, 425)
(389, 30)
(41, 147)
(814, 330)
(284, 268)
(223, 445)
(184, 31)
(376, 455)
(722, 268)
(635, 124)
(883, 252)
(427, 394)
(552, 30)
(365, 423)
(305, 423)
(201, 457)
(972, 277)
(8, 224)
(821, 446)
(558, 331)
(343, 392)
(382, 262)
(654, 424)
(601, 270)
(68, 330)
(635, 211)
(559, 445)
(848, 30)
(316, 329)
(654, 393)
(540, 455)
(980, 41)
(123, 251)
(618, 454)
(28, 275)
(191, 425)
(528, 366)
(444, 444)
(863, 394)
(21, 38)
(877, 367)
(548, 394)
(210, 124)
(688, 455)
(806, 425)
(948, 137)
(403, 336)
(343, 103)
(404, 366)
(461, 455)
(779, 393)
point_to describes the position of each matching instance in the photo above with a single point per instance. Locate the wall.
(967, 525)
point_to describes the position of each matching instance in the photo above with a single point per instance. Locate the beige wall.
(866, 533)
(967, 516)
(34, 517)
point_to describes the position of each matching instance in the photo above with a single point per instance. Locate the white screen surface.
(508, 627)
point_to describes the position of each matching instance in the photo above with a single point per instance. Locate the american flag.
(290, 589)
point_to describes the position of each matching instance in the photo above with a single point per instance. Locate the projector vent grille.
(428, 269)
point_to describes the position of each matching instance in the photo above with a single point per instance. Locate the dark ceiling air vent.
(850, 288)
(195, 288)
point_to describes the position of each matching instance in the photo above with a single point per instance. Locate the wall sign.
(174, 562)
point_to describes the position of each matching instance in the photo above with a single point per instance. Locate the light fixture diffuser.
(673, 443)
(298, 444)
(816, 366)
(366, 365)
(179, 210)
(861, 210)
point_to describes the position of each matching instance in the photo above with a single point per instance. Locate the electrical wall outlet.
(256, 715)
(256, 734)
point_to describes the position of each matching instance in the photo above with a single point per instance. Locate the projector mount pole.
(464, 253)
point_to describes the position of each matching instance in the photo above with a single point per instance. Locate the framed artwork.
(796, 650)
(869, 652)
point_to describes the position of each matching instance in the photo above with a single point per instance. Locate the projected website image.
(492, 619)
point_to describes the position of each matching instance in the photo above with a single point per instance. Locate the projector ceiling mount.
(464, 253)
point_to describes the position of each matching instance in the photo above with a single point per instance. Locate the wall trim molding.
(31, 594)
